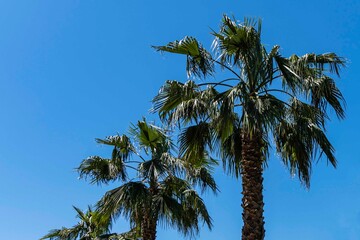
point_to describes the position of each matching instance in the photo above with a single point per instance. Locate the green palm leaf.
(199, 61)
(101, 170)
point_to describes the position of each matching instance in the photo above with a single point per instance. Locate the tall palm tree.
(158, 191)
(263, 98)
(92, 226)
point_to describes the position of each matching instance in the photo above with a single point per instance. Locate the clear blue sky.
(71, 71)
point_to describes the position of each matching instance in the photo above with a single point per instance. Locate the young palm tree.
(157, 192)
(264, 98)
(92, 226)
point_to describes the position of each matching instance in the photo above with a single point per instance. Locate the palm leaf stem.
(277, 90)
(268, 81)
(214, 84)
(217, 83)
(228, 68)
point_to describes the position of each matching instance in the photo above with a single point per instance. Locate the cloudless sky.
(72, 71)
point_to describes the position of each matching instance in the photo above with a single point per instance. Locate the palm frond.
(123, 147)
(181, 207)
(133, 234)
(150, 137)
(194, 142)
(203, 178)
(300, 137)
(178, 102)
(153, 169)
(238, 43)
(199, 61)
(323, 91)
(101, 170)
(329, 62)
(66, 233)
(194, 202)
(127, 200)
(308, 74)
(231, 152)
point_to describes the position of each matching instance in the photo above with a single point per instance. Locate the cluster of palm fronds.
(265, 99)
(157, 186)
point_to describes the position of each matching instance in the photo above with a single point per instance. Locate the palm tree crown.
(265, 98)
(90, 227)
(158, 190)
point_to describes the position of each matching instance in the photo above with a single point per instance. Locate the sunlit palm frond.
(92, 225)
(199, 61)
(63, 234)
(238, 44)
(328, 62)
(121, 144)
(133, 234)
(175, 165)
(149, 137)
(177, 102)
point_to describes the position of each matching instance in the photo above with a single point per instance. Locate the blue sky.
(72, 71)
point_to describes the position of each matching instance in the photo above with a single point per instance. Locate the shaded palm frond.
(153, 169)
(231, 152)
(180, 206)
(194, 142)
(324, 92)
(101, 170)
(300, 137)
(127, 200)
(194, 203)
(203, 178)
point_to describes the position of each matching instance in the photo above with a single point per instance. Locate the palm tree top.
(156, 184)
(90, 226)
(285, 99)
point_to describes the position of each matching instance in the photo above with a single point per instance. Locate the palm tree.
(157, 192)
(264, 98)
(92, 226)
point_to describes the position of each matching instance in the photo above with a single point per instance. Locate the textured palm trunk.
(148, 228)
(149, 223)
(252, 184)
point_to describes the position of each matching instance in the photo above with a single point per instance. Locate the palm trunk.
(252, 184)
(148, 228)
(149, 223)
